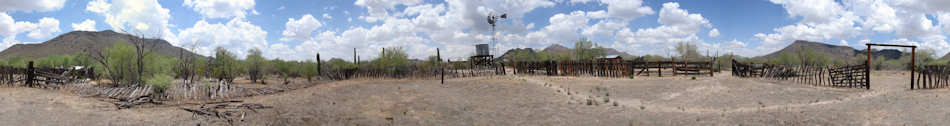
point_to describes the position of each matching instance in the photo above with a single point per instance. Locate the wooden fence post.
(29, 74)
(319, 71)
(913, 55)
(441, 67)
(867, 70)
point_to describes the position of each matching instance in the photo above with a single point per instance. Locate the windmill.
(492, 20)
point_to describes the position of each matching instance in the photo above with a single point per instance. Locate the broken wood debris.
(225, 110)
(125, 103)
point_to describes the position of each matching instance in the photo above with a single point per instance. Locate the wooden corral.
(932, 77)
(848, 76)
(43, 76)
(451, 69)
(678, 68)
(611, 68)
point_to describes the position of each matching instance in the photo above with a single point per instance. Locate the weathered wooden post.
(867, 70)
(441, 67)
(319, 71)
(29, 74)
(385, 70)
(913, 55)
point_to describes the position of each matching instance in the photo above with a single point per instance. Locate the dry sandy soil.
(526, 100)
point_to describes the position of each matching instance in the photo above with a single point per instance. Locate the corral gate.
(913, 56)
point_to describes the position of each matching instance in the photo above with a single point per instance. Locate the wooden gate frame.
(913, 56)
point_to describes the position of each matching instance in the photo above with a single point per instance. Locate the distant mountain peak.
(557, 48)
(833, 51)
(77, 41)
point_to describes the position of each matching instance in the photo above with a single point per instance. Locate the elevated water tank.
(481, 50)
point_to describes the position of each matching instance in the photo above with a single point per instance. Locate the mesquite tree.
(255, 65)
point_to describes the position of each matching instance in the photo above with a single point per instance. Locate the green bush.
(256, 65)
(308, 69)
(584, 49)
(123, 67)
(393, 60)
(160, 82)
(224, 65)
(121, 59)
(340, 64)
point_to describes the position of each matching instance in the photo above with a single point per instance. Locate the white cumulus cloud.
(237, 36)
(300, 29)
(714, 33)
(44, 28)
(10, 28)
(141, 17)
(31, 5)
(87, 25)
(627, 9)
(221, 8)
(678, 25)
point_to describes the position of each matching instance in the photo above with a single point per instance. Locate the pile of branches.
(125, 103)
(225, 110)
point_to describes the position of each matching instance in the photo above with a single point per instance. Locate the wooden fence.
(451, 69)
(848, 76)
(608, 68)
(44, 77)
(932, 77)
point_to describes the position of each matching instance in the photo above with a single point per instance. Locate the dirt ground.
(527, 100)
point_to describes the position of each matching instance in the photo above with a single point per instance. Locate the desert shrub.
(688, 51)
(285, 69)
(308, 69)
(555, 56)
(392, 60)
(121, 59)
(224, 64)
(692, 78)
(339, 64)
(431, 63)
(785, 59)
(584, 49)
(160, 82)
(725, 61)
(255, 65)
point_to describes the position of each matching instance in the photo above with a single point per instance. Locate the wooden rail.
(848, 76)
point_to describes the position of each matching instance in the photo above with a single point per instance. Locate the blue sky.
(298, 29)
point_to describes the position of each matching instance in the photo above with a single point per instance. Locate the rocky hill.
(557, 48)
(832, 51)
(78, 41)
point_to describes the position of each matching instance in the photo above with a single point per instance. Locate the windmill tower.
(482, 54)
(492, 20)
